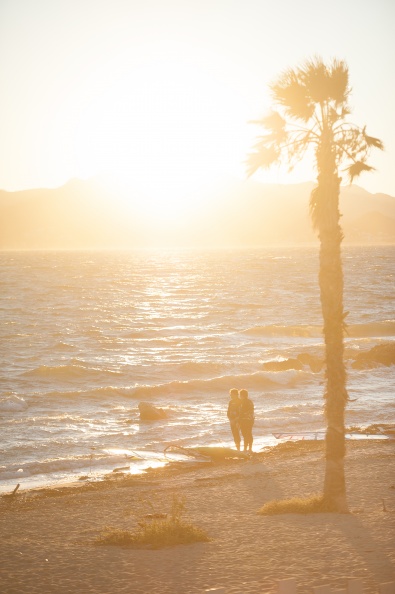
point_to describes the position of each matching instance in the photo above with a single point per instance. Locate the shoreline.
(106, 475)
(49, 533)
(140, 464)
(107, 472)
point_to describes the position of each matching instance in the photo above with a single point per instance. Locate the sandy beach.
(49, 536)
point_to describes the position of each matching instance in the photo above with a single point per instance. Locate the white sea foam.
(13, 404)
(71, 464)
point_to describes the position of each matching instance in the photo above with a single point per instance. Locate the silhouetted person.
(246, 420)
(233, 415)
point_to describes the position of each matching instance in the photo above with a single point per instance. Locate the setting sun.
(161, 129)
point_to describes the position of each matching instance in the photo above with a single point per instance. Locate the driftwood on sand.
(217, 453)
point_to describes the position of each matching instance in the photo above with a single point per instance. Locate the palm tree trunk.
(327, 218)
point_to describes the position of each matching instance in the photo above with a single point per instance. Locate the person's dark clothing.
(234, 410)
(233, 416)
(246, 422)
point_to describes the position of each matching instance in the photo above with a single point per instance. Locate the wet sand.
(48, 536)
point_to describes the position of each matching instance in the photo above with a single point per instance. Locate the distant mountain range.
(85, 214)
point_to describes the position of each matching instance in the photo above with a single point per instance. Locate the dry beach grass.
(49, 539)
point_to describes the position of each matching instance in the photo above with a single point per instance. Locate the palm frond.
(262, 158)
(312, 109)
(273, 121)
(372, 141)
(316, 77)
(333, 116)
(352, 142)
(355, 169)
(338, 82)
(295, 154)
(275, 124)
(345, 111)
(291, 93)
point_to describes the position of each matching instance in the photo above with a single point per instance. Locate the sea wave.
(13, 404)
(147, 334)
(49, 466)
(69, 372)
(103, 393)
(254, 381)
(63, 346)
(279, 330)
(368, 330)
(371, 329)
(238, 305)
(276, 420)
(106, 458)
(260, 381)
(193, 367)
(108, 392)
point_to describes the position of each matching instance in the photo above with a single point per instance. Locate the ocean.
(87, 336)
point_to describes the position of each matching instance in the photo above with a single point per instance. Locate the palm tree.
(311, 113)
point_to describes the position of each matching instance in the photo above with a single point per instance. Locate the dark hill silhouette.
(87, 214)
(372, 226)
(79, 214)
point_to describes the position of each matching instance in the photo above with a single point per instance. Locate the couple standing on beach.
(241, 417)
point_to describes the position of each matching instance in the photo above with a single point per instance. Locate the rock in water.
(381, 354)
(148, 412)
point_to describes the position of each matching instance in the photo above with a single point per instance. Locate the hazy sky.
(158, 93)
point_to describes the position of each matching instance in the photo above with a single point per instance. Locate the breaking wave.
(255, 381)
(69, 372)
(278, 330)
(372, 329)
(259, 381)
(46, 467)
(368, 330)
(13, 404)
